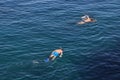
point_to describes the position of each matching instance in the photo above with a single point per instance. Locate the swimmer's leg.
(53, 58)
(82, 22)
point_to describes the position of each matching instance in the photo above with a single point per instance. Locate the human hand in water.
(60, 56)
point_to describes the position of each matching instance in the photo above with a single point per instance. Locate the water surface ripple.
(31, 29)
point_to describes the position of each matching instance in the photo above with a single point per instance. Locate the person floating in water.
(55, 53)
(86, 19)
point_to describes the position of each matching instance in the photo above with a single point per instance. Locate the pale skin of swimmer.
(60, 51)
(88, 19)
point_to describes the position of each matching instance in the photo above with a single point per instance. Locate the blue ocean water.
(31, 29)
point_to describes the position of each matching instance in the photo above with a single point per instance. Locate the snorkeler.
(86, 19)
(55, 53)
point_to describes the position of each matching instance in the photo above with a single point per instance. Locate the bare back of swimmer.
(55, 53)
(86, 19)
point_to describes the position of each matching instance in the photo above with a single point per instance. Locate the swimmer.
(55, 53)
(86, 19)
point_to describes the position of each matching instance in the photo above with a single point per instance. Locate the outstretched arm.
(61, 54)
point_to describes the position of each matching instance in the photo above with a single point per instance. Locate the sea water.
(31, 29)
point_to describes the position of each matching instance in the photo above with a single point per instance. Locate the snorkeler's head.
(92, 20)
(61, 48)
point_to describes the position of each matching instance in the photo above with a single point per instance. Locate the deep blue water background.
(31, 29)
